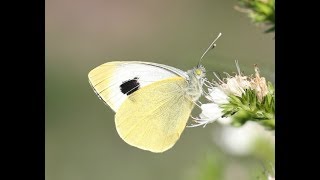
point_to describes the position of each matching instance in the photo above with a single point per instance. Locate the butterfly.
(152, 102)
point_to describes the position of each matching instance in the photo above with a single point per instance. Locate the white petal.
(240, 140)
(210, 111)
(218, 96)
(234, 87)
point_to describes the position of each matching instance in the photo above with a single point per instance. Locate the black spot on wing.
(130, 86)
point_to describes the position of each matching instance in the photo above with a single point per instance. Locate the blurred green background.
(81, 139)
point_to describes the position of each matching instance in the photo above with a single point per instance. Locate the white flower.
(235, 85)
(271, 178)
(217, 96)
(259, 84)
(218, 92)
(211, 111)
(240, 140)
(239, 83)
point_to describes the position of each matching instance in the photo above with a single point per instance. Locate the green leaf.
(270, 87)
(241, 117)
(268, 124)
(235, 99)
(260, 12)
(263, 8)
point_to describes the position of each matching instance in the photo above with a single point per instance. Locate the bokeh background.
(81, 139)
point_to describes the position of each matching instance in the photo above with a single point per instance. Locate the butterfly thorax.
(196, 77)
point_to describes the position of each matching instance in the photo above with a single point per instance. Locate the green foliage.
(249, 107)
(212, 167)
(262, 149)
(257, 165)
(260, 11)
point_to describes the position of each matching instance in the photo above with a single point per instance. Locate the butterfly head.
(199, 71)
(196, 78)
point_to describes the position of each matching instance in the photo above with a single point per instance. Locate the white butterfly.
(153, 102)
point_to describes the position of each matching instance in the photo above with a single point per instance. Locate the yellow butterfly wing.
(154, 117)
(107, 79)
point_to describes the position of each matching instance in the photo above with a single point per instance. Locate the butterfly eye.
(198, 72)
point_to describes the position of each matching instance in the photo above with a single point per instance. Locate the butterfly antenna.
(212, 45)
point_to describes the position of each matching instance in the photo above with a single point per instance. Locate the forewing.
(114, 81)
